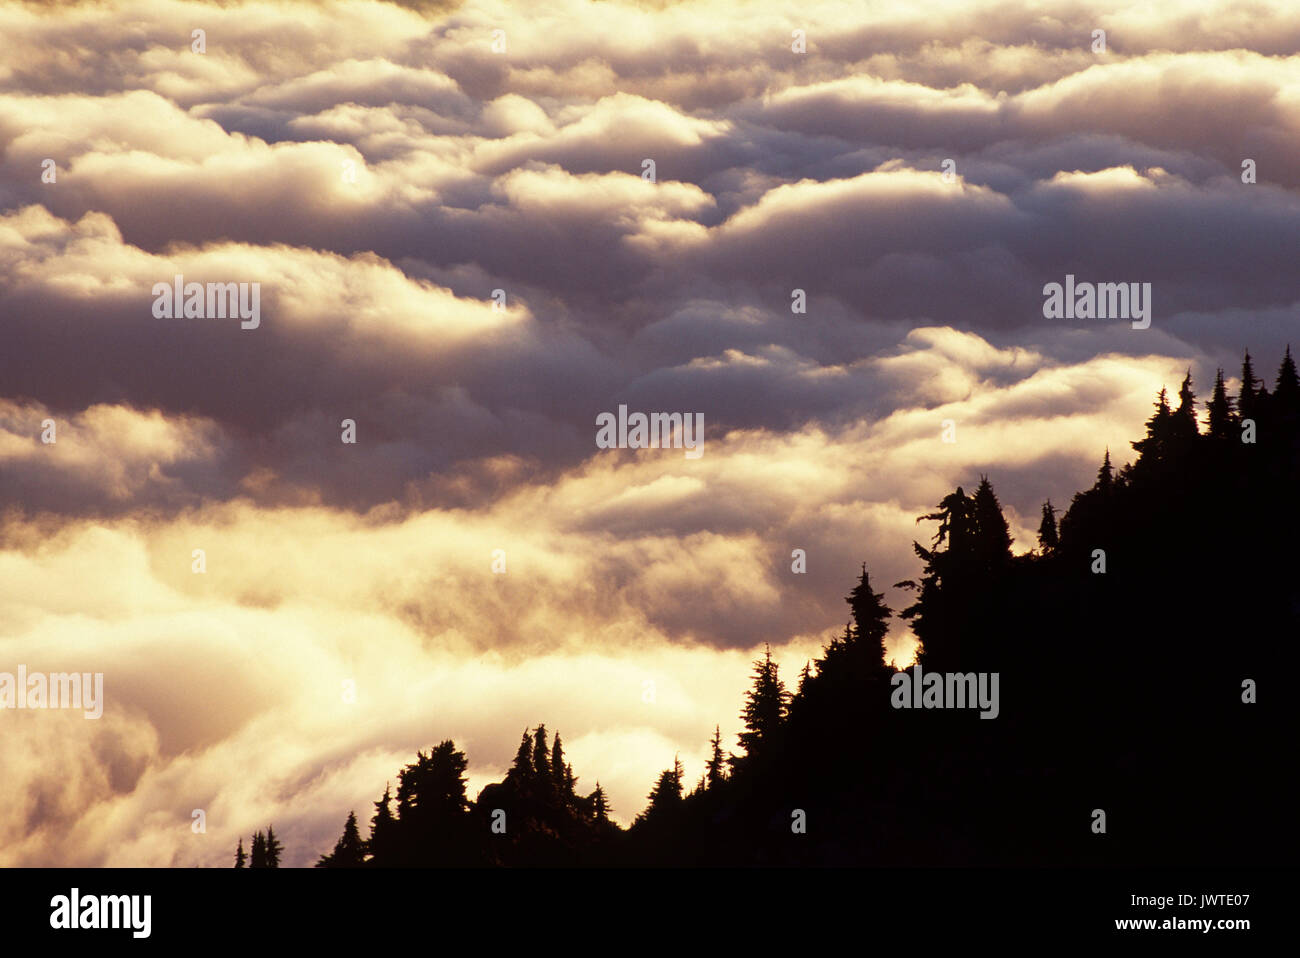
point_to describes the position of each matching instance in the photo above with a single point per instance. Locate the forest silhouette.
(1154, 691)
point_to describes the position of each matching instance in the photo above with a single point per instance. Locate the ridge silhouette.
(1122, 691)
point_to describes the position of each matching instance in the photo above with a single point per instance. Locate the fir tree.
(1154, 447)
(1219, 411)
(522, 769)
(870, 622)
(1286, 391)
(1105, 475)
(715, 768)
(258, 857)
(805, 679)
(765, 706)
(599, 804)
(992, 535)
(1249, 389)
(541, 761)
(559, 771)
(666, 796)
(1048, 539)
(349, 850)
(240, 857)
(273, 849)
(384, 838)
(1184, 418)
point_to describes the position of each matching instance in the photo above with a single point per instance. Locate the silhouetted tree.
(666, 796)
(1287, 387)
(1183, 424)
(258, 857)
(870, 623)
(715, 768)
(1249, 389)
(349, 850)
(384, 838)
(240, 858)
(273, 849)
(522, 769)
(1105, 475)
(561, 771)
(1219, 411)
(1154, 449)
(993, 536)
(1047, 535)
(600, 804)
(541, 761)
(765, 706)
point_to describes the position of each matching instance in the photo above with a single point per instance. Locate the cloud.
(382, 173)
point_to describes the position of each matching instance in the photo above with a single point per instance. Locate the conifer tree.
(715, 768)
(258, 857)
(599, 804)
(559, 772)
(1154, 447)
(805, 679)
(870, 622)
(765, 705)
(1219, 411)
(1286, 391)
(1249, 389)
(384, 835)
(522, 769)
(1105, 475)
(349, 850)
(1048, 538)
(541, 761)
(1184, 418)
(992, 534)
(667, 793)
(273, 849)
(240, 857)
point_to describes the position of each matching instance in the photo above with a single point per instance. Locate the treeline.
(266, 851)
(1142, 647)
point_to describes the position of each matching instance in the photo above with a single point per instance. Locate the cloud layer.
(461, 250)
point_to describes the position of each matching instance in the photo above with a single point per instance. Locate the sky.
(380, 170)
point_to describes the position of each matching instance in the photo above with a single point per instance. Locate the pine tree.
(870, 623)
(805, 680)
(349, 850)
(1048, 538)
(1184, 419)
(1154, 447)
(1286, 391)
(715, 768)
(559, 772)
(522, 769)
(258, 857)
(240, 857)
(992, 534)
(765, 706)
(1219, 411)
(273, 849)
(1105, 475)
(599, 804)
(1249, 389)
(541, 762)
(384, 830)
(666, 796)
